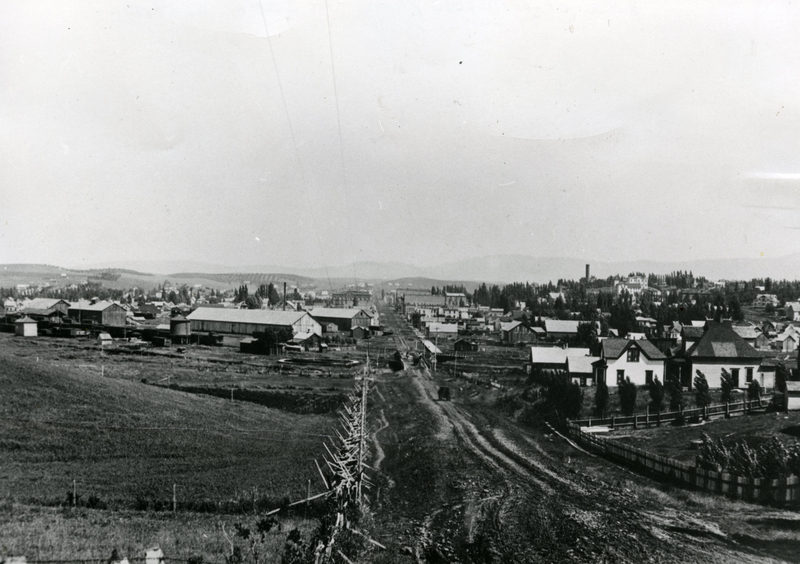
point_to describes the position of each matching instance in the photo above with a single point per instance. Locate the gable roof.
(255, 316)
(721, 341)
(555, 355)
(614, 348)
(559, 326)
(581, 364)
(337, 313)
(511, 325)
(44, 303)
(98, 306)
(746, 332)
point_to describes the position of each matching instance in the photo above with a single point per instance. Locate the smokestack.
(587, 273)
(284, 296)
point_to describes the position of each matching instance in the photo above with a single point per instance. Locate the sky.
(306, 133)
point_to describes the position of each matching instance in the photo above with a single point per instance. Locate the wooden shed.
(26, 327)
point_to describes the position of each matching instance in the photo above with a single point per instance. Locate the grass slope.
(127, 443)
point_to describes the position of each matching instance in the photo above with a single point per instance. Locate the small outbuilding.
(792, 396)
(104, 339)
(26, 327)
(463, 345)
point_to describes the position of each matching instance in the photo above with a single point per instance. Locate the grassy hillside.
(126, 443)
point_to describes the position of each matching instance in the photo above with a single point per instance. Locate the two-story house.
(638, 360)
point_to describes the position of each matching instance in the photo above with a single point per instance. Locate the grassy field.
(53, 534)
(126, 443)
(677, 442)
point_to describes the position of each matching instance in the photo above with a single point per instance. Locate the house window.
(620, 376)
(748, 375)
(633, 355)
(735, 377)
(648, 376)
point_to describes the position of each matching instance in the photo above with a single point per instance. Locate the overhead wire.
(294, 144)
(341, 144)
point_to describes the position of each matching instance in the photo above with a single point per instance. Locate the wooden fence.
(784, 491)
(647, 419)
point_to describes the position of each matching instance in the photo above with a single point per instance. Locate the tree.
(754, 391)
(656, 390)
(564, 397)
(627, 391)
(702, 394)
(726, 385)
(253, 302)
(273, 294)
(675, 394)
(600, 399)
(587, 336)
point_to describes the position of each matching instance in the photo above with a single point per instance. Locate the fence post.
(613, 421)
(635, 421)
(647, 415)
(705, 412)
(174, 498)
(658, 418)
(727, 410)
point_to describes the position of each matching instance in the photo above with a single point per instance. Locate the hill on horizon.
(499, 269)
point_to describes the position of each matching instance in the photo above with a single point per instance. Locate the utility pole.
(363, 432)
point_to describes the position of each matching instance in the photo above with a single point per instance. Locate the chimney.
(587, 273)
(284, 296)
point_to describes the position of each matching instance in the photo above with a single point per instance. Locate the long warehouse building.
(249, 321)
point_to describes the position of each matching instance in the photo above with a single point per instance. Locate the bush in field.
(627, 391)
(702, 394)
(600, 399)
(675, 391)
(771, 460)
(726, 386)
(713, 455)
(656, 390)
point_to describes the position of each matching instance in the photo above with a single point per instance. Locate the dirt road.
(459, 483)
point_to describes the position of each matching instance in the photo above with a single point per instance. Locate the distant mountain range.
(493, 269)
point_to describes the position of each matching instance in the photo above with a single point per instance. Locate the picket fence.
(784, 491)
(647, 419)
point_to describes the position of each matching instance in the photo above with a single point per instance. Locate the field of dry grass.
(126, 443)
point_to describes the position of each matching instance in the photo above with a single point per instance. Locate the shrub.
(702, 394)
(656, 390)
(675, 394)
(754, 391)
(600, 399)
(627, 391)
(563, 397)
(726, 385)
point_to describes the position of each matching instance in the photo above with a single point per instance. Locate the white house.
(720, 348)
(792, 311)
(638, 360)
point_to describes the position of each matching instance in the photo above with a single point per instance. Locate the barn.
(346, 319)
(98, 313)
(41, 304)
(249, 321)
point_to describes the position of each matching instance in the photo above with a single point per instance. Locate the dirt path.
(468, 485)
